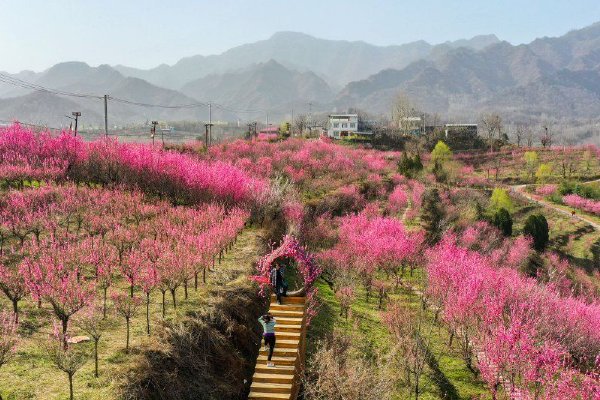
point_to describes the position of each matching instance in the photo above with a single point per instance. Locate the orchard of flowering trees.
(26, 156)
(528, 339)
(88, 230)
(369, 244)
(73, 243)
(69, 247)
(311, 165)
(101, 231)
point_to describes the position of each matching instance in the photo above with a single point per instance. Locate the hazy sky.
(36, 34)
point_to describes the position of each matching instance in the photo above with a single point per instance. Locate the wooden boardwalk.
(282, 381)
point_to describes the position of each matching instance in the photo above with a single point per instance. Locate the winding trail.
(520, 189)
(406, 210)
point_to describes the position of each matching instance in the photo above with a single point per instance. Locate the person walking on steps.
(278, 282)
(268, 323)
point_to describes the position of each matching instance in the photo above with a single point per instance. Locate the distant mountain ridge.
(78, 77)
(459, 80)
(337, 61)
(552, 75)
(269, 86)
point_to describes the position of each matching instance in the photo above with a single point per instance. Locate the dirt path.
(406, 210)
(520, 189)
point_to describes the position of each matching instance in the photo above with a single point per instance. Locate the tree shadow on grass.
(323, 323)
(447, 389)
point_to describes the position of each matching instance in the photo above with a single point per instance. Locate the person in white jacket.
(268, 323)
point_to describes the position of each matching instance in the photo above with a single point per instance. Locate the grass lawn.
(31, 375)
(569, 236)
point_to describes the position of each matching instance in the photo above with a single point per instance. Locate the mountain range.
(557, 77)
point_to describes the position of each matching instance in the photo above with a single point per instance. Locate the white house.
(342, 125)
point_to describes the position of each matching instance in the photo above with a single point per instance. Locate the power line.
(135, 103)
(39, 88)
(240, 111)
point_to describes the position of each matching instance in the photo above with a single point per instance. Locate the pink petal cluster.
(581, 203)
(398, 199)
(369, 243)
(546, 190)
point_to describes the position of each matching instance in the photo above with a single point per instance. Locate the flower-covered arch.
(307, 266)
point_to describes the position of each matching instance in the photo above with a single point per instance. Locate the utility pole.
(206, 135)
(209, 142)
(76, 114)
(154, 123)
(292, 125)
(106, 115)
(255, 133)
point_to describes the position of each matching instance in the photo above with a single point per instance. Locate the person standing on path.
(268, 323)
(278, 282)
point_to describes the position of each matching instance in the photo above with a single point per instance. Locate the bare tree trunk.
(174, 300)
(70, 386)
(148, 313)
(127, 340)
(15, 304)
(96, 358)
(65, 324)
(104, 304)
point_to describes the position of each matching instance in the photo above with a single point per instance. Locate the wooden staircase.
(282, 381)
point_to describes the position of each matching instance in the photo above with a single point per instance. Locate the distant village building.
(462, 136)
(410, 125)
(464, 130)
(269, 130)
(342, 125)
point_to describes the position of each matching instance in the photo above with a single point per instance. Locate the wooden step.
(287, 328)
(278, 369)
(288, 320)
(277, 360)
(274, 378)
(269, 396)
(280, 351)
(285, 342)
(271, 387)
(290, 306)
(286, 313)
(286, 300)
(285, 335)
